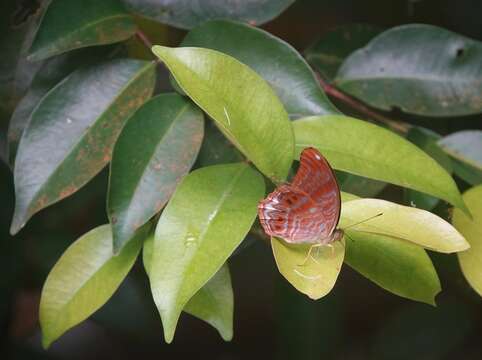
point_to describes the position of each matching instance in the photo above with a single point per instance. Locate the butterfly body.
(306, 211)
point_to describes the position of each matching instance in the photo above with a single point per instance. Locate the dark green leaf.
(328, 53)
(208, 216)
(467, 173)
(49, 75)
(216, 149)
(213, 303)
(187, 14)
(291, 77)
(426, 140)
(421, 69)
(244, 106)
(465, 146)
(72, 24)
(471, 260)
(359, 185)
(398, 266)
(83, 279)
(368, 150)
(71, 133)
(155, 149)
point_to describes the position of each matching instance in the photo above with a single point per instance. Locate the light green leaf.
(402, 222)
(213, 303)
(243, 105)
(465, 146)
(208, 216)
(368, 150)
(421, 69)
(396, 265)
(72, 24)
(187, 14)
(471, 260)
(83, 279)
(315, 275)
(72, 131)
(292, 79)
(156, 148)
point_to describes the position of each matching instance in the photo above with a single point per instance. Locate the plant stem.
(144, 39)
(398, 126)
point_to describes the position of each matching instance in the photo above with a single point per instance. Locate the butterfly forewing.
(306, 210)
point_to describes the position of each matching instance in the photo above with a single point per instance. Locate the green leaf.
(398, 266)
(49, 75)
(465, 146)
(216, 149)
(71, 133)
(186, 14)
(213, 303)
(359, 185)
(83, 279)
(72, 24)
(426, 140)
(402, 222)
(315, 275)
(467, 173)
(156, 148)
(243, 105)
(328, 53)
(421, 69)
(292, 79)
(471, 260)
(208, 216)
(368, 150)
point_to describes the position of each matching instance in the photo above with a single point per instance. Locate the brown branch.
(398, 126)
(144, 39)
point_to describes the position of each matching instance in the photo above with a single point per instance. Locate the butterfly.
(306, 211)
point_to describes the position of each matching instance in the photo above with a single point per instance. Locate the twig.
(398, 126)
(144, 39)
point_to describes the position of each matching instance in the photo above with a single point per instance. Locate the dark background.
(357, 320)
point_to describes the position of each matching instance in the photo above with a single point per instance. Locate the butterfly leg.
(309, 255)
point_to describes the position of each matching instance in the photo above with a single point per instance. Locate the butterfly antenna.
(363, 221)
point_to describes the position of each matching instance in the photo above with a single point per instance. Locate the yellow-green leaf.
(313, 275)
(208, 216)
(407, 223)
(83, 279)
(213, 303)
(368, 150)
(471, 260)
(244, 107)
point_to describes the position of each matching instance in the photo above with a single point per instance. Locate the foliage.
(247, 104)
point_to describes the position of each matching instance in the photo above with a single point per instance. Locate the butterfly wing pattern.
(308, 209)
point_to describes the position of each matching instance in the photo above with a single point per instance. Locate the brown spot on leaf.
(69, 190)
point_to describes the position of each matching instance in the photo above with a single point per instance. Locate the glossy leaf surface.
(72, 131)
(368, 150)
(72, 24)
(421, 69)
(243, 105)
(291, 78)
(402, 222)
(156, 148)
(471, 260)
(213, 303)
(208, 216)
(83, 279)
(465, 146)
(187, 14)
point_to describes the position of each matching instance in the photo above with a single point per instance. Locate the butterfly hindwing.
(292, 215)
